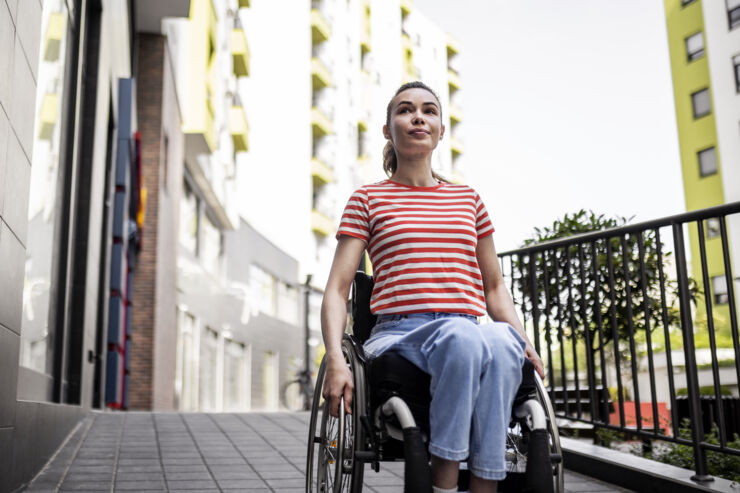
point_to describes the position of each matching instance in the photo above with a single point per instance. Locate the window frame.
(702, 174)
(721, 298)
(693, 103)
(736, 11)
(736, 66)
(691, 57)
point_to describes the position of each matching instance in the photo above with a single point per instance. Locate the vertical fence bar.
(587, 335)
(710, 330)
(603, 402)
(631, 328)
(667, 335)
(573, 332)
(548, 333)
(648, 336)
(615, 329)
(559, 318)
(535, 300)
(730, 294)
(697, 429)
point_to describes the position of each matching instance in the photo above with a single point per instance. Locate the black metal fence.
(633, 328)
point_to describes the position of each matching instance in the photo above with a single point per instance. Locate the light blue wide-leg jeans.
(475, 372)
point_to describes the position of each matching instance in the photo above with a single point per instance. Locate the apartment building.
(704, 43)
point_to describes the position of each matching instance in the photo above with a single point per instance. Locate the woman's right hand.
(338, 383)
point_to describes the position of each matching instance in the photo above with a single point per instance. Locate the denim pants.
(475, 372)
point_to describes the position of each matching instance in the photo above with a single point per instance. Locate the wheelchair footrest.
(417, 473)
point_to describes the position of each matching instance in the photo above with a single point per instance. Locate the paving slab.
(228, 452)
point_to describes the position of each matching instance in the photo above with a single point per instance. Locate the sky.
(567, 105)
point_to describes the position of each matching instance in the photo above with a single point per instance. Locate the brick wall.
(149, 116)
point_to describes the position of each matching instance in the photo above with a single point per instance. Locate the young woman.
(436, 272)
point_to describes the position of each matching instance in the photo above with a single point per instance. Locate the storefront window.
(37, 333)
(207, 382)
(235, 381)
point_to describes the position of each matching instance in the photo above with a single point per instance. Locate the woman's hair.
(390, 161)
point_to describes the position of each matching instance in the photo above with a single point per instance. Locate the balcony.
(243, 4)
(456, 114)
(453, 80)
(453, 46)
(198, 105)
(320, 30)
(406, 6)
(53, 37)
(239, 128)
(48, 115)
(320, 75)
(320, 123)
(321, 224)
(240, 52)
(320, 172)
(456, 146)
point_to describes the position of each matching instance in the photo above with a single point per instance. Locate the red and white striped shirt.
(421, 242)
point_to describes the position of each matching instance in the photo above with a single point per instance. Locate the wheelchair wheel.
(330, 462)
(554, 437)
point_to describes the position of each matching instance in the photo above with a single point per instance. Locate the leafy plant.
(613, 283)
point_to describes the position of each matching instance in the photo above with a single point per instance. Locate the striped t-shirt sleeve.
(483, 224)
(355, 219)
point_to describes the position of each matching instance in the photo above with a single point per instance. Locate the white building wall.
(721, 46)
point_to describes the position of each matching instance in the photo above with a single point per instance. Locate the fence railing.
(627, 321)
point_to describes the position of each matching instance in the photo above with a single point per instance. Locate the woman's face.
(415, 125)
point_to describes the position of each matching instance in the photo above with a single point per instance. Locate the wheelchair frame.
(339, 447)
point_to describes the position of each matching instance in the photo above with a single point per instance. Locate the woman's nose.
(418, 118)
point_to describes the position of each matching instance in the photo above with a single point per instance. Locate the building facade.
(71, 210)
(704, 44)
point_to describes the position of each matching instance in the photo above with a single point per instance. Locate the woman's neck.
(414, 173)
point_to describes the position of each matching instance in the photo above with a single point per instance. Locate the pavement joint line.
(200, 452)
(237, 448)
(119, 439)
(269, 442)
(59, 449)
(159, 449)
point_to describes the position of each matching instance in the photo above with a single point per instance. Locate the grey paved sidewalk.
(141, 451)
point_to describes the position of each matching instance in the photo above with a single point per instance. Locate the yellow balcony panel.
(320, 75)
(453, 80)
(240, 52)
(320, 172)
(48, 115)
(453, 46)
(321, 224)
(406, 42)
(406, 6)
(456, 146)
(456, 114)
(239, 128)
(362, 125)
(53, 36)
(320, 123)
(320, 30)
(243, 4)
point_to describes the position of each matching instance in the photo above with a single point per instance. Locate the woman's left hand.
(532, 356)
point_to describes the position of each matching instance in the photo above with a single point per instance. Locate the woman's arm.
(498, 300)
(338, 379)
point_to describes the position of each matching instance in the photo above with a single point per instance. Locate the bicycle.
(297, 394)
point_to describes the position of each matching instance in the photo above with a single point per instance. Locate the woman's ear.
(386, 133)
(442, 132)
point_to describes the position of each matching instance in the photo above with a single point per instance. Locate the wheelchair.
(390, 422)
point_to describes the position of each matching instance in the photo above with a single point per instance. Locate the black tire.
(558, 471)
(330, 461)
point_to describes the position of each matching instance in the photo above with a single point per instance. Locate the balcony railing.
(626, 321)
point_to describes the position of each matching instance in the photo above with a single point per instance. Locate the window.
(719, 289)
(695, 46)
(287, 303)
(736, 63)
(207, 370)
(212, 246)
(189, 219)
(686, 2)
(700, 103)
(733, 13)
(235, 376)
(264, 291)
(711, 226)
(707, 161)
